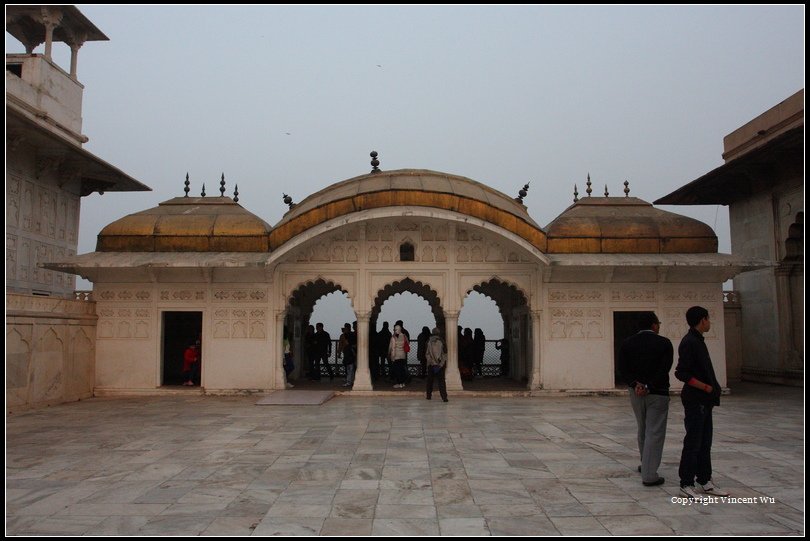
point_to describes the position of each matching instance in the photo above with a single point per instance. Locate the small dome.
(626, 225)
(187, 224)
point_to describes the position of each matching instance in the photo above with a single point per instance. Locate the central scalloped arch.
(408, 285)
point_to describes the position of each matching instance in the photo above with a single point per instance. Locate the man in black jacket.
(701, 392)
(644, 363)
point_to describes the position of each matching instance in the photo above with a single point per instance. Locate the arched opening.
(316, 314)
(494, 346)
(792, 265)
(417, 306)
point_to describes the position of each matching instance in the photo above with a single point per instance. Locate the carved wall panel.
(575, 295)
(40, 216)
(127, 295)
(633, 295)
(240, 323)
(584, 323)
(252, 295)
(11, 256)
(123, 322)
(182, 295)
(18, 357)
(47, 378)
(693, 295)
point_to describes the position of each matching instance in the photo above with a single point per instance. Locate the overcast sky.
(292, 99)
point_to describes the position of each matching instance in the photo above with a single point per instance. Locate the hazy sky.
(292, 99)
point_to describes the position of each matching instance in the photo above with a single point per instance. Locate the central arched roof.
(409, 187)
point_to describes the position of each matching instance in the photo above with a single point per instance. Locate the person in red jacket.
(191, 360)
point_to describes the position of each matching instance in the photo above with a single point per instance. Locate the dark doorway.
(625, 324)
(180, 330)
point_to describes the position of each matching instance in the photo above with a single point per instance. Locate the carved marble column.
(535, 381)
(74, 59)
(50, 17)
(362, 378)
(278, 378)
(452, 376)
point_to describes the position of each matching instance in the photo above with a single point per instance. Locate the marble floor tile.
(463, 527)
(346, 527)
(405, 527)
(522, 526)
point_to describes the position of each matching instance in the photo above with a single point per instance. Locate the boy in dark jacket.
(701, 393)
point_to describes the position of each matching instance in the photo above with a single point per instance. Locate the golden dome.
(626, 225)
(187, 224)
(409, 187)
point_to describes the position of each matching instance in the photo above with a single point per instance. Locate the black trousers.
(696, 457)
(323, 357)
(439, 379)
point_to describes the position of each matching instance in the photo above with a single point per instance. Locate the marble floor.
(203, 465)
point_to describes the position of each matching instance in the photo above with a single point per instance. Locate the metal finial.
(626, 189)
(187, 189)
(222, 186)
(375, 162)
(606, 192)
(576, 193)
(236, 193)
(203, 190)
(588, 190)
(522, 193)
(288, 201)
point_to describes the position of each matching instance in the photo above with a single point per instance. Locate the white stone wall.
(237, 334)
(578, 345)
(759, 228)
(50, 351)
(42, 223)
(48, 88)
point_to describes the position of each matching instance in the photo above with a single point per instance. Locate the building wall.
(733, 327)
(46, 88)
(759, 228)
(42, 223)
(236, 341)
(578, 343)
(50, 351)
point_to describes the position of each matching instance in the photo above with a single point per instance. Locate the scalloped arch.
(307, 292)
(411, 286)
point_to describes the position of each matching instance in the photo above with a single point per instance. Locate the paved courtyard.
(188, 465)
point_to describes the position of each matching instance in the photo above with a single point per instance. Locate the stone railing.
(84, 296)
(18, 305)
(731, 298)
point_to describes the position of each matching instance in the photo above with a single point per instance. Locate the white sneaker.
(710, 489)
(290, 385)
(689, 492)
